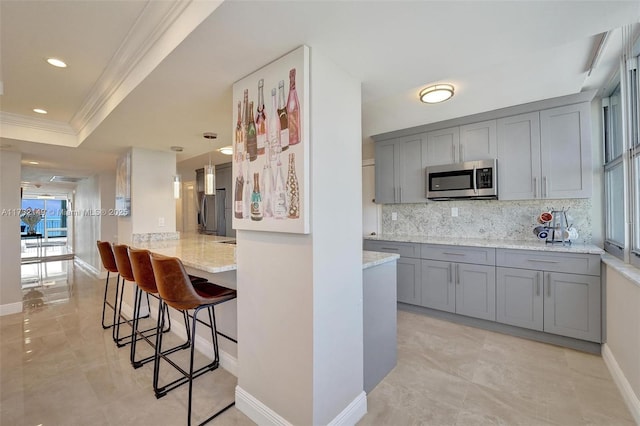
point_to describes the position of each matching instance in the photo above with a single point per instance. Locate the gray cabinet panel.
(411, 171)
(478, 255)
(518, 139)
(476, 291)
(442, 146)
(577, 263)
(403, 249)
(409, 281)
(519, 299)
(565, 134)
(386, 166)
(572, 306)
(438, 288)
(478, 141)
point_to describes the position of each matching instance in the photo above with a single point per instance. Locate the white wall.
(10, 287)
(623, 335)
(300, 296)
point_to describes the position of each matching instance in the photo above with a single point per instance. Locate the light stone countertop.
(210, 253)
(374, 258)
(481, 242)
(204, 252)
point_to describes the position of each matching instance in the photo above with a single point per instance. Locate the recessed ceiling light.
(40, 110)
(226, 150)
(436, 93)
(57, 62)
(33, 162)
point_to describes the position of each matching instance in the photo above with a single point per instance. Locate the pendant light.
(176, 186)
(209, 170)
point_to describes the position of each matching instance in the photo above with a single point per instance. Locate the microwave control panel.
(484, 178)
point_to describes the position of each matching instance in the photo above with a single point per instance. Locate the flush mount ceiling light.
(40, 110)
(436, 93)
(57, 62)
(226, 150)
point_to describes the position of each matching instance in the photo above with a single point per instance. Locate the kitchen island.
(214, 258)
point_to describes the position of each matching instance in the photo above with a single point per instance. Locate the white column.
(300, 296)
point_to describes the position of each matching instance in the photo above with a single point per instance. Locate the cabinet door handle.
(389, 248)
(453, 254)
(544, 186)
(537, 283)
(543, 261)
(548, 285)
(535, 187)
(457, 273)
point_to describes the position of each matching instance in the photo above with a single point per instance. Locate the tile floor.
(58, 367)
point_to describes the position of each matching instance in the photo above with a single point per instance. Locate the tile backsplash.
(491, 219)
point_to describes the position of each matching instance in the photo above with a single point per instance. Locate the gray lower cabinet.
(547, 297)
(462, 288)
(408, 266)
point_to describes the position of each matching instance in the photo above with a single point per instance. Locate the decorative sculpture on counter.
(31, 218)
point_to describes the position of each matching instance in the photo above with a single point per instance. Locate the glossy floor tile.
(59, 367)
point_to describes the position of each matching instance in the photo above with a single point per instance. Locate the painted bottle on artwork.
(293, 110)
(293, 191)
(237, 205)
(252, 137)
(274, 128)
(261, 120)
(279, 193)
(256, 199)
(238, 153)
(267, 190)
(246, 197)
(282, 115)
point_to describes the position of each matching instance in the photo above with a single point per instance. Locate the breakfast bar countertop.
(207, 253)
(576, 247)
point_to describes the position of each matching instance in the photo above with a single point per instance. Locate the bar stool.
(177, 291)
(109, 263)
(121, 255)
(145, 280)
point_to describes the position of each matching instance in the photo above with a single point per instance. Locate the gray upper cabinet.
(443, 146)
(400, 171)
(545, 154)
(478, 141)
(565, 133)
(519, 157)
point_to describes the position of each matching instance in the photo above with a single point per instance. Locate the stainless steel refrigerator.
(211, 214)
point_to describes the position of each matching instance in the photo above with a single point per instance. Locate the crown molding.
(150, 40)
(11, 123)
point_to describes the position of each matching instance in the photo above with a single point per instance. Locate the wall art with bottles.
(271, 146)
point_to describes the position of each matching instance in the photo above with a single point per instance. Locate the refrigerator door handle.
(203, 211)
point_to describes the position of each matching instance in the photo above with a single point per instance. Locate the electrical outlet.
(394, 216)
(454, 212)
(161, 221)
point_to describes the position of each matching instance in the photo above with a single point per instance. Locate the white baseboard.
(256, 410)
(263, 415)
(90, 269)
(352, 412)
(10, 308)
(630, 398)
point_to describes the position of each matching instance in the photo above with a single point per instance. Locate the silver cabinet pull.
(535, 187)
(457, 273)
(390, 248)
(537, 283)
(543, 261)
(548, 285)
(453, 254)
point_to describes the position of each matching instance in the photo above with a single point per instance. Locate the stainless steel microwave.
(471, 179)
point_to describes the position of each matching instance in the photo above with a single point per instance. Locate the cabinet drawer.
(575, 263)
(477, 255)
(403, 249)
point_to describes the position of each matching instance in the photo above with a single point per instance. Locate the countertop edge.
(375, 258)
